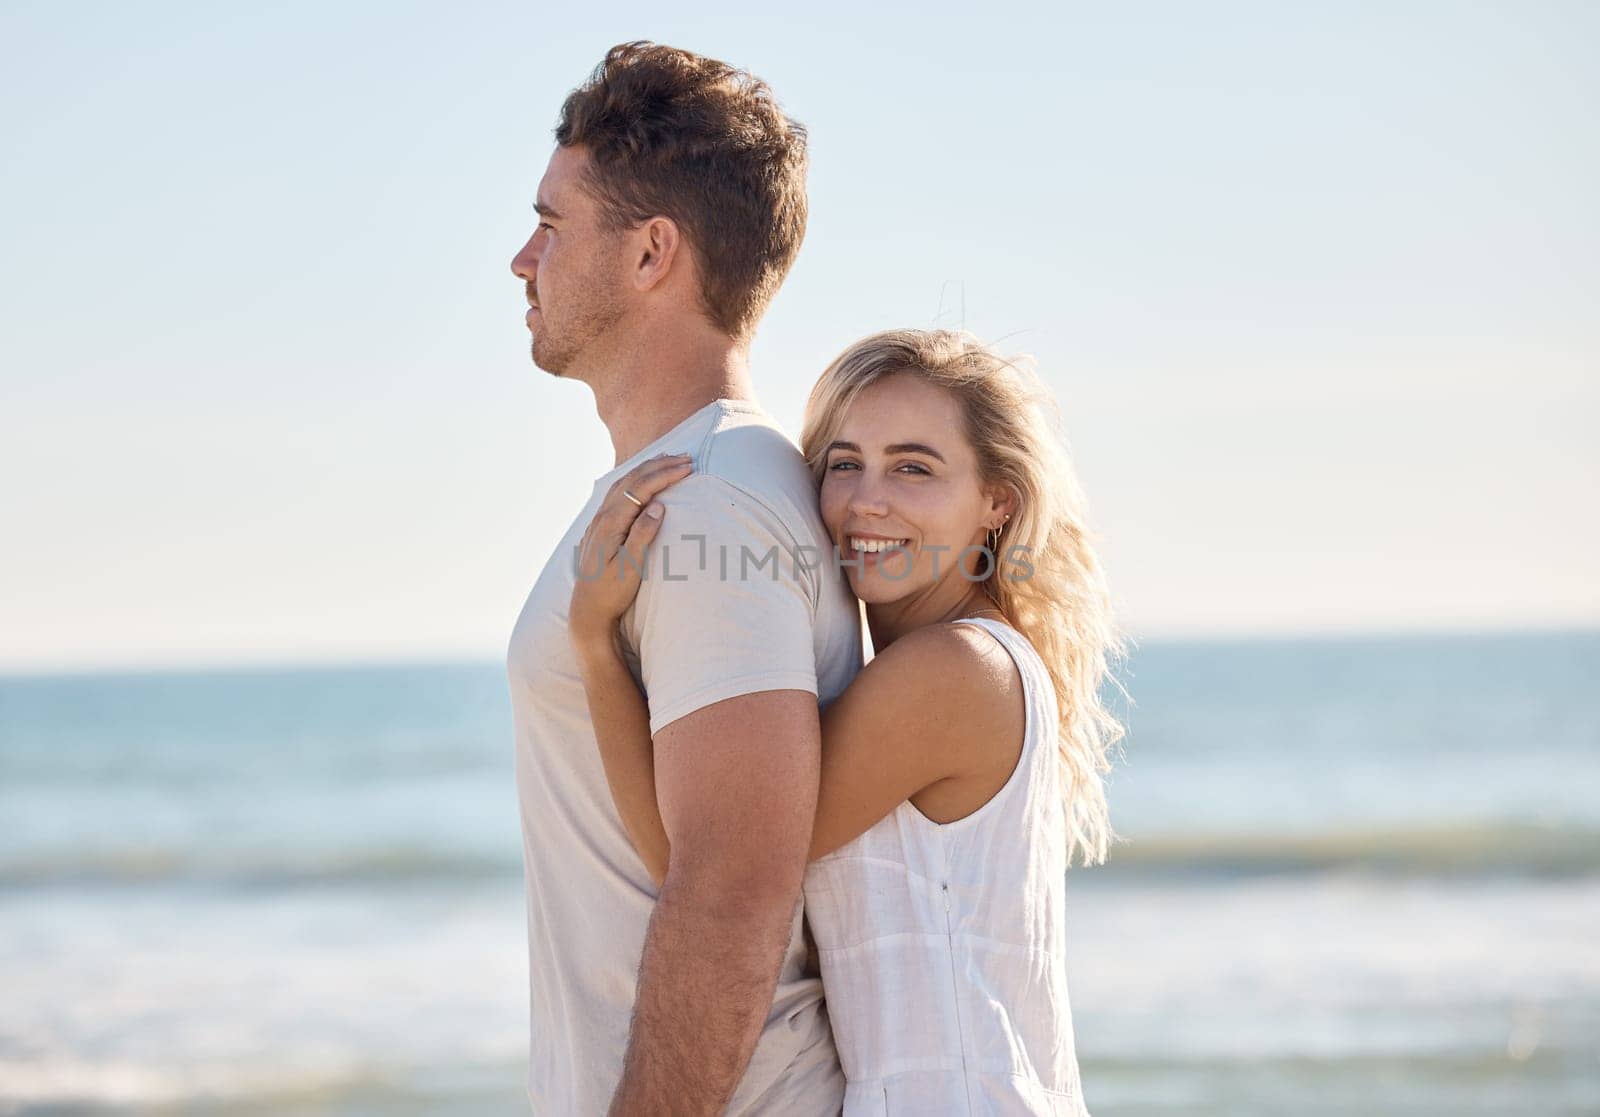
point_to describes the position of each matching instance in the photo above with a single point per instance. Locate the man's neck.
(647, 393)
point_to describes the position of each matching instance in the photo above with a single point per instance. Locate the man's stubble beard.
(546, 362)
(557, 351)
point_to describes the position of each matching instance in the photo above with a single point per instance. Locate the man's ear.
(658, 244)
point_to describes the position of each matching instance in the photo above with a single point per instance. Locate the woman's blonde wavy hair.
(1062, 606)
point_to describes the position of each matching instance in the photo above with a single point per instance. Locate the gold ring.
(633, 498)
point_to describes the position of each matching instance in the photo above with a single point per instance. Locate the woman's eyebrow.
(914, 448)
(896, 448)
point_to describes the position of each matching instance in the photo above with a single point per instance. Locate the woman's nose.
(867, 500)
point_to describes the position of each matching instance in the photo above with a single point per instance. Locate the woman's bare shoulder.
(952, 652)
(954, 681)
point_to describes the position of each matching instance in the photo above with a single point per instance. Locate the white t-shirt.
(739, 596)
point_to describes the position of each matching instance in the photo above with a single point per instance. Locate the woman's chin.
(876, 591)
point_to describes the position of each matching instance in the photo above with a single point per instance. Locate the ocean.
(1356, 876)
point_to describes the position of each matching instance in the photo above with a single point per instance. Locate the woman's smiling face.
(900, 470)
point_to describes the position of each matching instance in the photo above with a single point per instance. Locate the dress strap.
(1036, 681)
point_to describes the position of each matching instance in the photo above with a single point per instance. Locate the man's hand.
(737, 786)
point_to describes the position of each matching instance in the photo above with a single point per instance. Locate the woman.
(962, 769)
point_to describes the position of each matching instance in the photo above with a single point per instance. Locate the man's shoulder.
(747, 448)
(748, 459)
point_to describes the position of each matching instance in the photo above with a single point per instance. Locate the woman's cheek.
(831, 503)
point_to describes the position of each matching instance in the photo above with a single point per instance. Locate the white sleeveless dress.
(943, 945)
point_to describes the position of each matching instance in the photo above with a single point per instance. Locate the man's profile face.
(572, 269)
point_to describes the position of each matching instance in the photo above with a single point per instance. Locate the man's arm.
(737, 786)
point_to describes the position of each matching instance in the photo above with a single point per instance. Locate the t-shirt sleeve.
(726, 606)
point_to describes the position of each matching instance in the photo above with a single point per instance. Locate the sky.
(1314, 284)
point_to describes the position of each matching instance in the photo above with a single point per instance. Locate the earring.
(994, 536)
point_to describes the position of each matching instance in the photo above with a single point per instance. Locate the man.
(668, 216)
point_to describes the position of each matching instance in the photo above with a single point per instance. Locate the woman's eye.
(841, 465)
(916, 468)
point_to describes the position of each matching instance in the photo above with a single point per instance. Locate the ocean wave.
(77, 1084)
(1465, 850)
(1468, 849)
(168, 866)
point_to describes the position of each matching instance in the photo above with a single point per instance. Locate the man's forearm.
(711, 961)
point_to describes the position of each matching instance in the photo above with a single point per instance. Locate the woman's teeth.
(873, 546)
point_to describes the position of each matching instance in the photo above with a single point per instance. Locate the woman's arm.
(611, 561)
(942, 706)
(622, 729)
(939, 711)
(938, 715)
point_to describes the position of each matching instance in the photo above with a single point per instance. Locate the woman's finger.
(640, 535)
(650, 478)
(645, 483)
(637, 474)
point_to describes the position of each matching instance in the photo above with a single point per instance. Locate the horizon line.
(226, 664)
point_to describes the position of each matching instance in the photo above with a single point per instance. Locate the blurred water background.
(1360, 876)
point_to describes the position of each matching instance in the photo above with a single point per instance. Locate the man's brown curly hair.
(673, 134)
